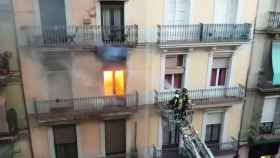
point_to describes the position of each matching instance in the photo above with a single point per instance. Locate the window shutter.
(64, 134)
(220, 62)
(268, 110)
(214, 118)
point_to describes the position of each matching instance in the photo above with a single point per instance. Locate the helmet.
(177, 92)
(185, 90)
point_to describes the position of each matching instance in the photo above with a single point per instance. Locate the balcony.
(80, 37)
(265, 85)
(267, 132)
(204, 98)
(218, 149)
(4, 68)
(99, 107)
(223, 148)
(197, 35)
(273, 25)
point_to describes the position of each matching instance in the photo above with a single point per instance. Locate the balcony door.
(112, 20)
(115, 137)
(225, 11)
(177, 12)
(171, 135)
(53, 15)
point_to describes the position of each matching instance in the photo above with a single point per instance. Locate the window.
(219, 72)
(114, 82)
(173, 81)
(225, 11)
(177, 11)
(65, 141)
(174, 71)
(112, 20)
(213, 127)
(212, 133)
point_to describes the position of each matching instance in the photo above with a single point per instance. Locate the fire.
(114, 82)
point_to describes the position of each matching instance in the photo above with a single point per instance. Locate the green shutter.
(276, 62)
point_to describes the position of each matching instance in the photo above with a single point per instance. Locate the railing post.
(201, 32)
(35, 106)
(137, 99)
(136, 34)
(159, 34)
(156, 97)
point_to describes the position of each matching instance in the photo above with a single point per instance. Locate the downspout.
(21, 80)
(246, 83)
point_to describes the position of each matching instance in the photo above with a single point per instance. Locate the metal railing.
(223, 148)
(188, 33)
(204, 33)
(204, 96)
(265, 83)
(273, 20)
(269, 128)
(124, 155)
(95, 103)
(80, 36)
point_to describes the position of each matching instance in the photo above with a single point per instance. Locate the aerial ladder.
(193, 146)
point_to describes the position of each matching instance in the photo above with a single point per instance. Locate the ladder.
(193, 146)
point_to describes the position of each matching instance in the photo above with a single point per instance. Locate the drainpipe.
(246, 83)
(22, 87)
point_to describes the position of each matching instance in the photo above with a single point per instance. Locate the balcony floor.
(107, 113)
(192, 44)
(170, 153)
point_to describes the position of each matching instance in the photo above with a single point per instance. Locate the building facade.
(96, 74)
(261, 112)
(10, 82)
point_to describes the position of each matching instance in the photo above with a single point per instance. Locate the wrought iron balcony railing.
(273, 21)
(204, 96)
(203, 33)
(265, 84)
(223, 148)
(4, 67)
(81, 36)
(86, 104)
(269, 128)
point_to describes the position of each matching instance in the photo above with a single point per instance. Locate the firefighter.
(185, 103)
(174, 103)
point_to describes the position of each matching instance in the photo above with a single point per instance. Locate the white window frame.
(217, 77)
(229, 73)
(186, 63)
(204, 124)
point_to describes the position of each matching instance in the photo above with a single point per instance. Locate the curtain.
(178, 81)
(213, 77)
(222, 77)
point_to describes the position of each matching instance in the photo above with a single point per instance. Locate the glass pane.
(208, 133)
(108, 83)
(168, 82)
(119, 82)
(213, 77)
(178, 81)
(216, 133)
(222, 77)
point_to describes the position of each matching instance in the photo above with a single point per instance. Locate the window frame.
(212, 126)
(114, 82)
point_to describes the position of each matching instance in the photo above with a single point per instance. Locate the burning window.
(114, 82)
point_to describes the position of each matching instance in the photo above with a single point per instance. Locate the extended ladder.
(193, 146)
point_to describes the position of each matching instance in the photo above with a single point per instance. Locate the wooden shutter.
(115, 136)
(269, 106)
(220, 62)
(64, 134)
(214, 118)
(171, 65)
